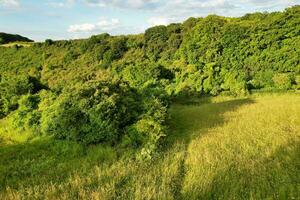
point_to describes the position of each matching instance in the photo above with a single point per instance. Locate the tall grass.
(218, 148)
(22, 44)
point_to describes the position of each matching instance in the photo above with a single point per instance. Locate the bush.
(156, 40)
(234, 84)
(2, 113)
(27, 116)
(297, 81)
(11, 89)
(262, 79)
(116, 51)
(49, 42)
(151, 132)
(147, 132)
(91, 113)
(282, 81)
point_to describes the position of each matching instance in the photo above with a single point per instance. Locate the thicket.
(116, 89)
(7, 38)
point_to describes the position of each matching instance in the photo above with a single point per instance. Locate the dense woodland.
(117, 89)
(8, 38)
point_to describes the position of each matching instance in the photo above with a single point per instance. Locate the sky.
(71, 19)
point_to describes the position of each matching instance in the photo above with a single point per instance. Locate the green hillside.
(6, 38)
(204, 109)
(216, 148)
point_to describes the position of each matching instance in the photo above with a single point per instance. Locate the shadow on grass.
(274, 177)
(192, 118)
(192, 100)
(47, 161)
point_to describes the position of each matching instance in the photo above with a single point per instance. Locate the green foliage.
(148, 131)
(263, 79)
(297, 81)
(8, 38)
(234, 83)
(282, 81)
(91, 113)
(145, 74)
(248, 147)
(48, 42)
(116, 51)
(11, 88)
(27, 116)
(155, 41)
(152, 132)
(116, 89)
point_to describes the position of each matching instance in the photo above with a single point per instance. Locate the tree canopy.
(116, 89)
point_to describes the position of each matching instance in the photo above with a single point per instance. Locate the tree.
(90, 113)
(155, 40)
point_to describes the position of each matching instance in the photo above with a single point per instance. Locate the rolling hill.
(6, 38)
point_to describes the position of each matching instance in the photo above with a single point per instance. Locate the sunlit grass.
(9, 135)
(217, 148)
(23, 44)
(253, 154)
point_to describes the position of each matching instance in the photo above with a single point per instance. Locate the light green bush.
(92, 113)
(282, 81)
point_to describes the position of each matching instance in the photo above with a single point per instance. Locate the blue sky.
(68, 19)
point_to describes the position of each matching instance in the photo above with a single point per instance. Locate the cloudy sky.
(64, 19)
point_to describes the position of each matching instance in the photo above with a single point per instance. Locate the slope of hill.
(8, 38)
(116, 89)
(104, 113)
(216, 148)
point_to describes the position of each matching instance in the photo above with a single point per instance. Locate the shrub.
(297, 81)
(116, 51)
(156, 40)
(27, 116)
(11, 88)
(234, 83)
(2, 113)
(49, 42)
(262, 79)
(148, 131)
(91, 113)
(151, 132)
(282, 81)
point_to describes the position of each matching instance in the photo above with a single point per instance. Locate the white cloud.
(10, 3)
(270, 3)
(141, 3)
(82, 28)
(184, 8)
(102, 26)
(179, 10)
(131, 4)
(62, 4)
(163, 12)
(56, 4)
(158, 4)
(154, 21)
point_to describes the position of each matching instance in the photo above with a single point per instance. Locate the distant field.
(217, 148)
(23, 44)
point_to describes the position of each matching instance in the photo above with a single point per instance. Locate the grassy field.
(23, 44)
(217, 148)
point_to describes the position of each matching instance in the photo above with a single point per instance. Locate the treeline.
(7, 38)
(116, 89)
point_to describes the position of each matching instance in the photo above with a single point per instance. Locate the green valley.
(204, 109)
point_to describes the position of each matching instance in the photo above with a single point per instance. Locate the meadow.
(19, 44)
(216, 148)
